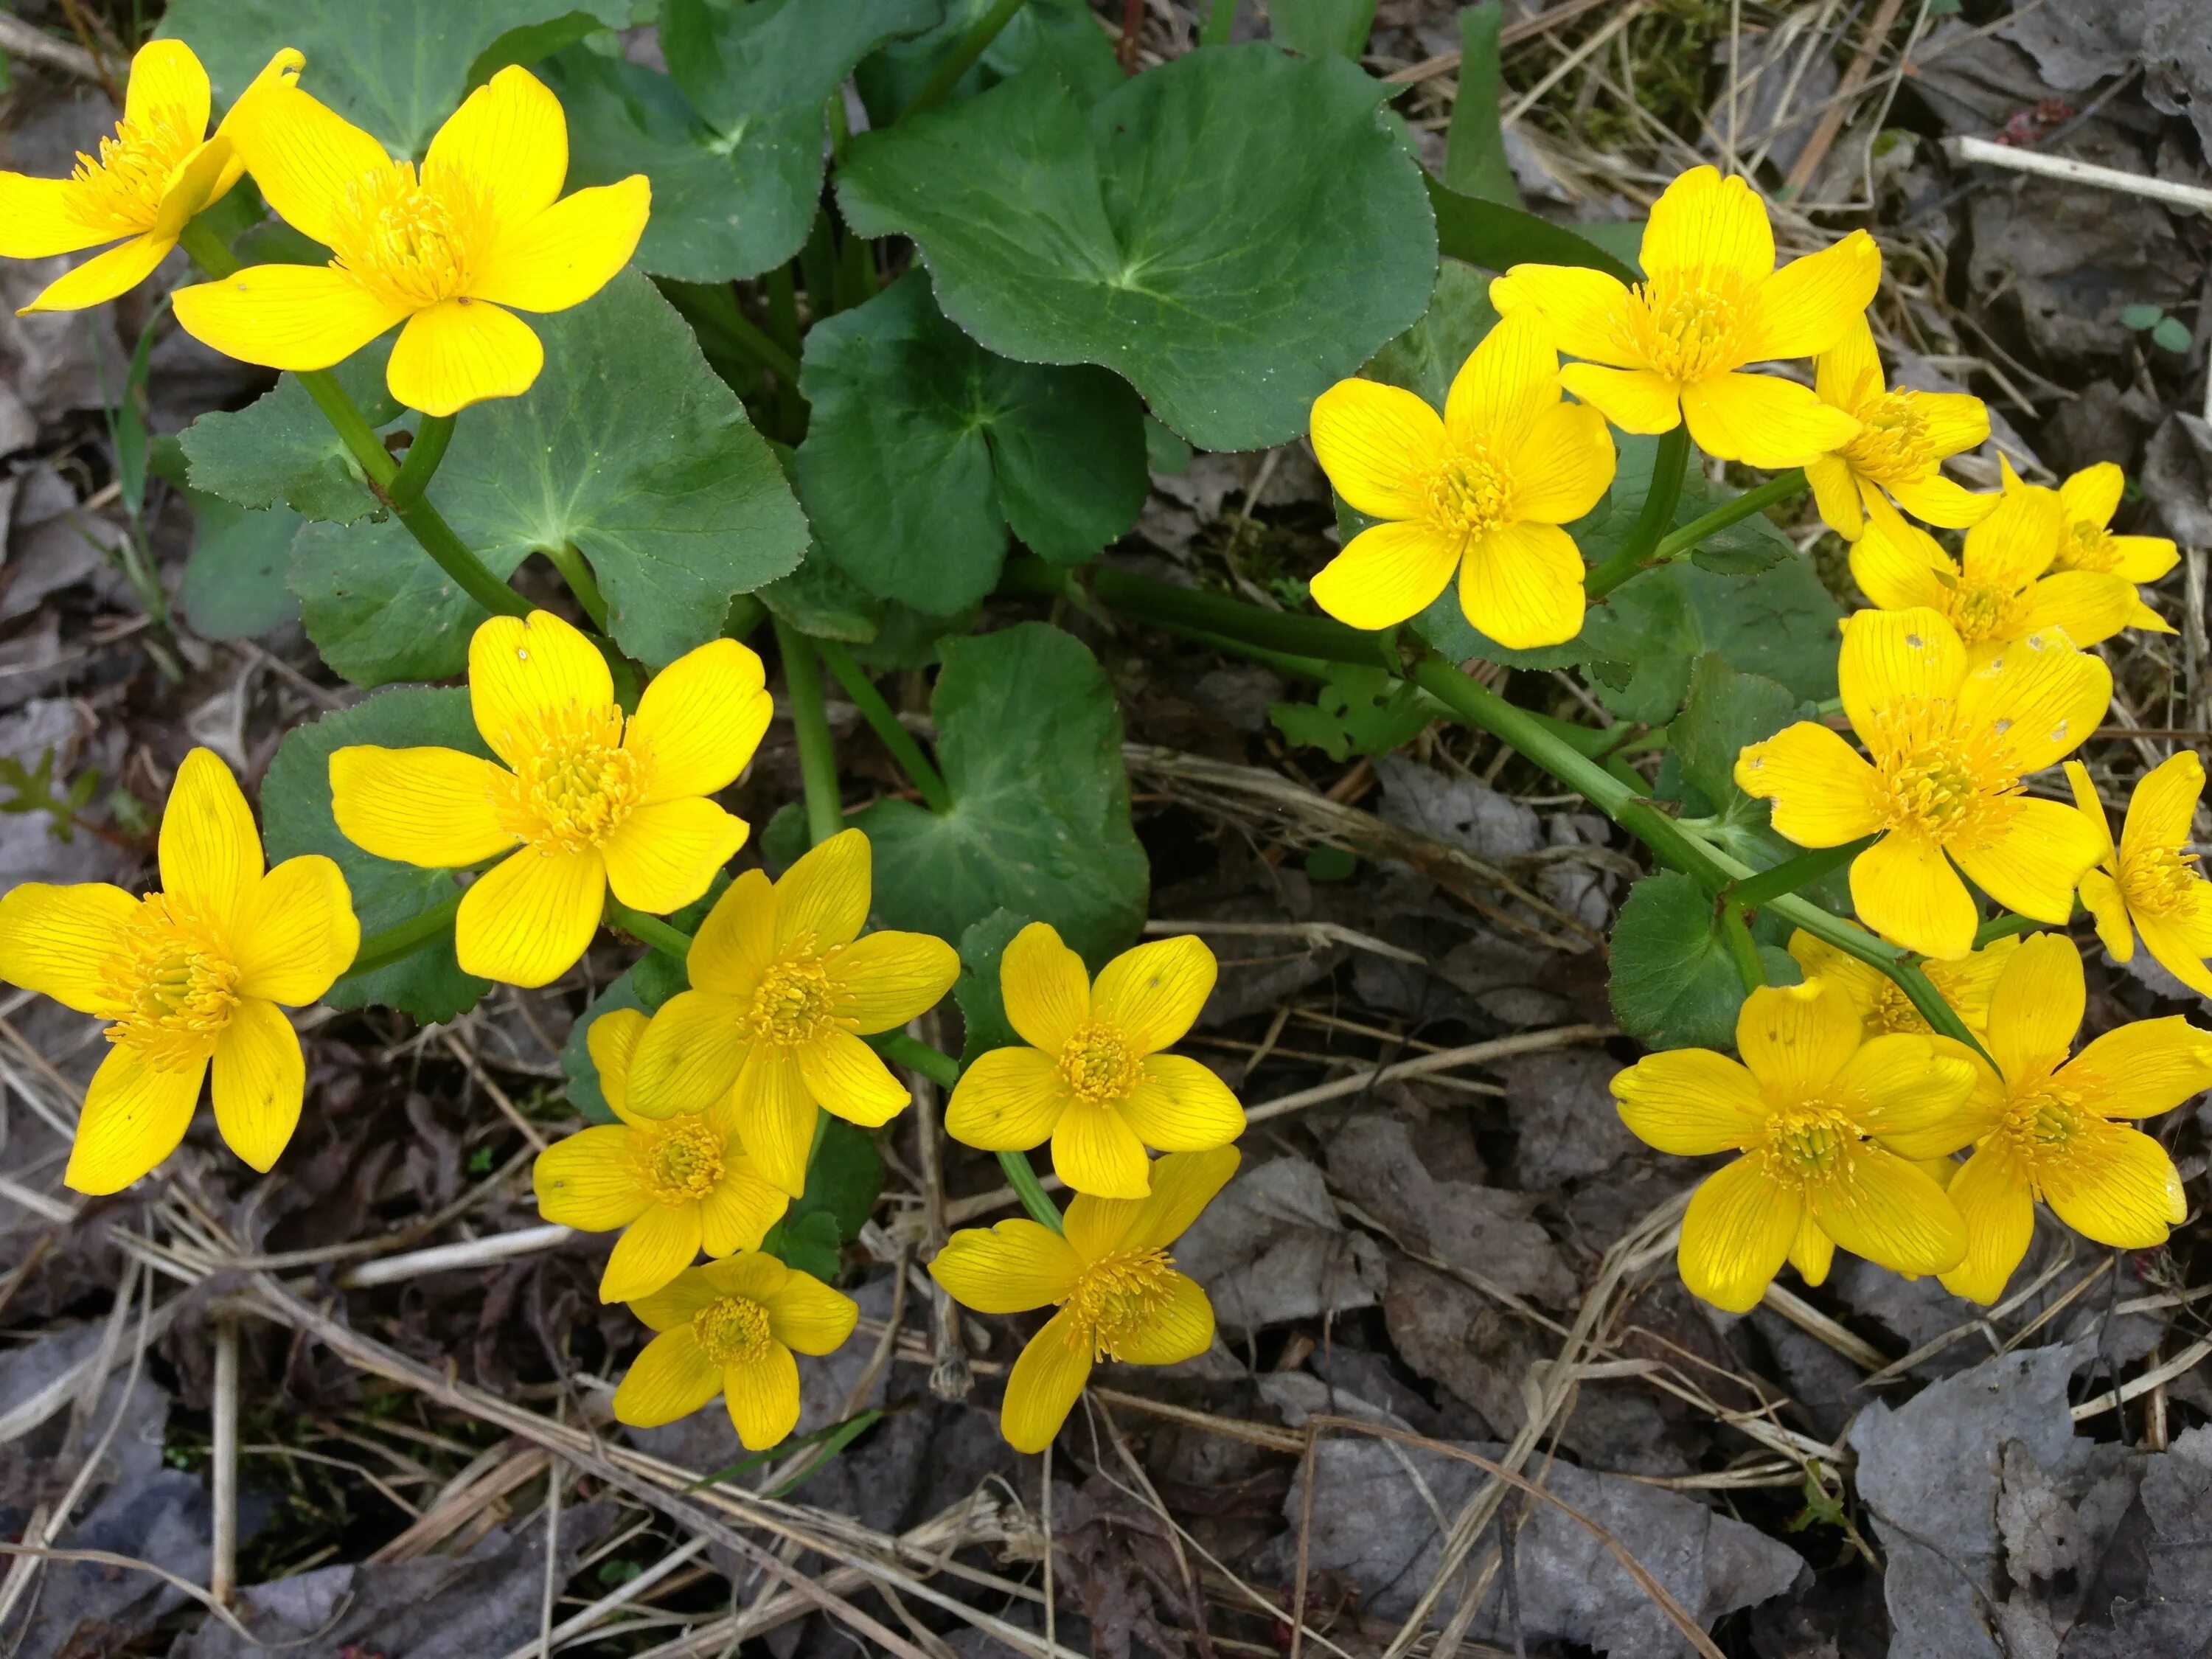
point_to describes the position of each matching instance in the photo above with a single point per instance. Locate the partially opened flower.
(1094, 1079)
(160, 169)
(1119, 1295)
(191, 977)
(2087, 541)
(480, 227)
(1483, 491)
(1950, 744)
(1674, 347)
(730, 1327)
(1830, 1123)
(783, 986)
(1882, 1007)
(2150, 883)
(580, 800)
(674, 1185)
(2053, 1128)
(1903, 438)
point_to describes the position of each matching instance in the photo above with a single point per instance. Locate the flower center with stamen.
(1894, 1011)
(172, 985)
(2159, 880)
(793, 1003)
(681, 1158)
(732, 1330)
(1892, 444)
(2089, 546)
(1982, 614)
(1812, 1141)
(1936, 781)
(411, 241)
(1099, 1064)
(1687, 325)
(121, 191)
(575, 788)
(2043, 1122)
(1120, 1295)
(1472, 493)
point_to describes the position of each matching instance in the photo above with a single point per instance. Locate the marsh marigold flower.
(783, 986)
(730, 1327)
(1116, 1288)
(1674, 347)
(674, 1185)
(190, 978)
(1093, 1080)
(1903, 438)
(2149, 884)
(160, 169)
(1830, 1123)
(1965, 985)
(583, 799)
(2090, 497)
(1482, 490)
(2053, 1128)
(1950, 744)
(445, 249)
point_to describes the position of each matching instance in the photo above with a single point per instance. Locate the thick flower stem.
(1667, 466)
(651, 929)
(423, 456)
(817, 754)
(1742, 949)
(973, 44)
(885, 722)
(569, 561)
(1023, 1180)
(916, 1056)
(396, 944)
(1673, 544)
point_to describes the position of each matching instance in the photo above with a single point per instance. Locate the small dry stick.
(222, 1556)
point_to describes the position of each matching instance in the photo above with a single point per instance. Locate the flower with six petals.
(1830, 1124)
(2091, 496)
(1903, 438)
(1483, 490)
(2149, 884)
(445, 249)
(1673, 347)
(1110, 1275)
(580, 800)
(673, 1185)
(730, 1327)
(783, 986)
(191, 977)
(1950, 744)
(1094, 1079)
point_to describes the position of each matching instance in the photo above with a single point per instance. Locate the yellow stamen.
(1810, 1141)
(409, 241)
(1892, 1010)
(734, 1331)
(1121, 1294)
(1099, 1064)
(2159, 880)
(1938, 781)
(121, 191)
(2087, 546)
(1982, 614)
(577, 786)
(1471, 495)
(172, 984)
(793, 1003)
(2042, 1120)
(679, 1159)
(1892, 446)
(1686, 325)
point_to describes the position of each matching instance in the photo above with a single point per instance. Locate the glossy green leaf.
(1361, 711)
(280, 448)
(1474, 144)
(1725, 711)
(820, 600)
(1317, 27)
(1231, 232)
(1062, 37)
(1424, 358)
(1497, 237)
(982, 1003)
(233, 583)
(1673, 983)
(1779, 622)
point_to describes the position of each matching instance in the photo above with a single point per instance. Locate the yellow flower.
(190, 976)
(1671, 348)
(1950, 745)
(1830, 1122)
(158, 171)
(783, 988)
(1903, 438)
(1996, 592)
(730, 1327)
(2046, 1123)
(2149, 884)
(1965, 984)
(481, 226)
(2086, 543)
(1118, 1292)
(673, 1184)
(585, 800)
(1483, 490)
(1094, 1079)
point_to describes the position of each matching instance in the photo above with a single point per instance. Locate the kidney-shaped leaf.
(280, 448)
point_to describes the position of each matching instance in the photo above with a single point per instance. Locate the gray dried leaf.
(2178, 474)
(1271, 1248)
(1450, 807)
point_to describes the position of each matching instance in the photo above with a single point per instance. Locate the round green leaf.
(1060, 35)
(1674, 984)
(233, 586)
(280, 448)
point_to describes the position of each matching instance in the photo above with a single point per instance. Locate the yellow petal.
(1633, 400)
(1152, 993)
(303, 156)
(2179, 950)
(1095, 1150)
(1966, 984)
(690, 1052)
(2092, 495)
(664, 856)
(258, 1077)
(1762, 421)
(2143, 558)
(673, 1306)
(1807, 306)
(1181, 1106)
(168, 82)
(566, 254)
(1381, 446)
(1046, 987)
(588, 1180)
(1705, 222)
(1010, 1269)
(1911, 1096)
(1008, 1101)
(432, 807)
(525, 673)
(2092, 805)
(1794, 1038)
(1523, 586)
(2114, 1185)
(134, 1116)
(2017, 540)
(1042, 1389)
(283, 70)
(295, 317)
(763, 1397)
(460, 352)
(1937, 500)
(737, 1212)
(35, 220)
(1180, 1326)
(1813, 1253)
(1889, 656)
(1690, 1101)
(735, 944)
(296, 933)
(1880, 1206)
(211, 854)
(775, 1116)
(1386, 574)
(1507, 381)
(1992, 1197)
(2035, 863)
(527, 920)
(101, 278)
(1736, 1234)
(673, 1378)
(57, 940)
(1565, 464)
(2101, 898)
(510, 142)
(1849, 373)
(884, 979)
(191, 186)
(1586, 311)
(1183, 1184)
(700, 721)
(2036, 1008)
(808, 1317)
(849, 1079)
(1900, 566)
(1904, 888)
(822, 899)
(2144, 1067)
(2049, 697)
(1953, 423)
(1823, 793)
(2163, 806)
(660, 1243)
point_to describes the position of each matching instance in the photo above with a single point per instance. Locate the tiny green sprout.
(1822, 1508)
(480, 1161)
(2141, 317)
(2173, 335)
(618, 1571)
(1331, 864)
(33, 788)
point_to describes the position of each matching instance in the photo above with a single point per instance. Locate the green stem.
(1743, 950)
(396, 944)
(1791, 874)
(2004, 926)
(1218, 23)
(1023, 1180)
(915, 1055)
(571, 562)
(206, 251)
(651, 929)
(817, 754)
(1184, 610)
(1780, 488)
(972, 46)
(1667, 466)
(424, 455)
(746, 614)
(751, 341)
(885, 722)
